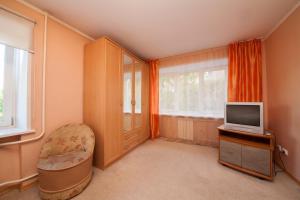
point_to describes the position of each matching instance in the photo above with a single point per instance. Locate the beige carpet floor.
(162, 170)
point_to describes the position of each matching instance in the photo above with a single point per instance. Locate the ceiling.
(161, 28)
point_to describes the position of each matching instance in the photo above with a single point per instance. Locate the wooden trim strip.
(203, 143)
(24, 185)
(293, 177)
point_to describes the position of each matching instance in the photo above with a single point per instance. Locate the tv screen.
(243, 114)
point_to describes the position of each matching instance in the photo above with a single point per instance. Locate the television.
(244, 116)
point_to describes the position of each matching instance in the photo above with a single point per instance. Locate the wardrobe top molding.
(122, 48)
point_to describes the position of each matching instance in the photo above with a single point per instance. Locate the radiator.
(185, 129)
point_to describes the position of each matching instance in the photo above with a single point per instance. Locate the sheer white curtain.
(194, 84)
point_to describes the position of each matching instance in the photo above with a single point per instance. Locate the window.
(15, 54)
(194, 89)
(13, 87)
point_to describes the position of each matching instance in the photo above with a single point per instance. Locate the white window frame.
(16, 92)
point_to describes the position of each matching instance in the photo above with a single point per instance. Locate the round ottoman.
(65, 164)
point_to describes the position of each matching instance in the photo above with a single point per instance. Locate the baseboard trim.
(124, 153)
(201, 143)
(25, 185)
(292, 177)
(288, 173)
(7, 189)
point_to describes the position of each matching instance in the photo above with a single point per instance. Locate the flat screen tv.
(244, 116)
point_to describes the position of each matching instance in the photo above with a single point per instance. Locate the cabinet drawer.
(256, 159)
(130, 140)
(230, 152)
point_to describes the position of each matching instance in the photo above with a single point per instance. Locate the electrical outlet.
(279, 148)
(285, 151)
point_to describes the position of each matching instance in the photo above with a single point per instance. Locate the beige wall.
(64, 91)
(283, 76)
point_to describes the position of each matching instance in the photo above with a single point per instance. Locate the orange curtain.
(154, 99)
(245, 71)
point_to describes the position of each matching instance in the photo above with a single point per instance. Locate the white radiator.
(185, 129)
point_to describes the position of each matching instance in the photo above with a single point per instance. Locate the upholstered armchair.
(65, 164)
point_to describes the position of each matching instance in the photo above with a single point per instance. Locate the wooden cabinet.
(231, 152)
(115, 120)
(256, 159)
(247, 152)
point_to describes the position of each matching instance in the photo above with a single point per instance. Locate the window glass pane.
(14, 76)
(22, 84)
(197, 89)
(7, 85)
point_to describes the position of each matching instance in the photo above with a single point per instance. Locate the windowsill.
(14, 132)
(191, 116)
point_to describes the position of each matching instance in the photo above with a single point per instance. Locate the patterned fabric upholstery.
(66, 147)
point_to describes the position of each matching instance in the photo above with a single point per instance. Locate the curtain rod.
(17, 14)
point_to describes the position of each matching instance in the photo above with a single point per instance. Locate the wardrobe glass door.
(127, 92)
(138, 94)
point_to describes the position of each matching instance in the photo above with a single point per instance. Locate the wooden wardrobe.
(116, 92)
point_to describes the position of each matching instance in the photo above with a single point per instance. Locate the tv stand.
(247, 152)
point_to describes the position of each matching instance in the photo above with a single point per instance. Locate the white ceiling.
(160, 28)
